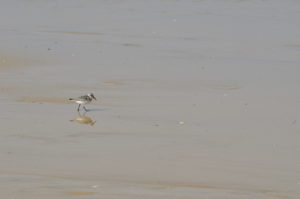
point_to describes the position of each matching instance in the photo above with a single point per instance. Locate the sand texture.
(195, 99)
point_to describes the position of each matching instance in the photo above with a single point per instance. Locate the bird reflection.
(83, 119)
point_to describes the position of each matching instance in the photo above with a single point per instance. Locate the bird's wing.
(84, 97)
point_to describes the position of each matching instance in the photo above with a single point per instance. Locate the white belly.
(81, 102)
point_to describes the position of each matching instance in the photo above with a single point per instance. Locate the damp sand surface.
(192, 101)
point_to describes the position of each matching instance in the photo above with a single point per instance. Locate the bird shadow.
(83, 119)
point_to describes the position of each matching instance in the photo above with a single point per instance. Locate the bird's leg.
(78, 107)
(85, 109)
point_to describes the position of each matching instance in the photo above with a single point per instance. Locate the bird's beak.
(94, 97)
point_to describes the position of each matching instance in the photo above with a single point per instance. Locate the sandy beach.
(195, 99)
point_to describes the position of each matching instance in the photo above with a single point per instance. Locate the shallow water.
(196, 99)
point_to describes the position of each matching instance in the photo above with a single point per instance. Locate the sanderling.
(85, 99)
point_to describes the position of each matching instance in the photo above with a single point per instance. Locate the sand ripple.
(45, 100)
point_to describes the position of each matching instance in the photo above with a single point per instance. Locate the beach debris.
(181, 123)
(95, 186)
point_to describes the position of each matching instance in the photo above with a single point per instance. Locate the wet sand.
(196, 99)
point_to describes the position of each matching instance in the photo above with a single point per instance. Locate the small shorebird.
(82, 100)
